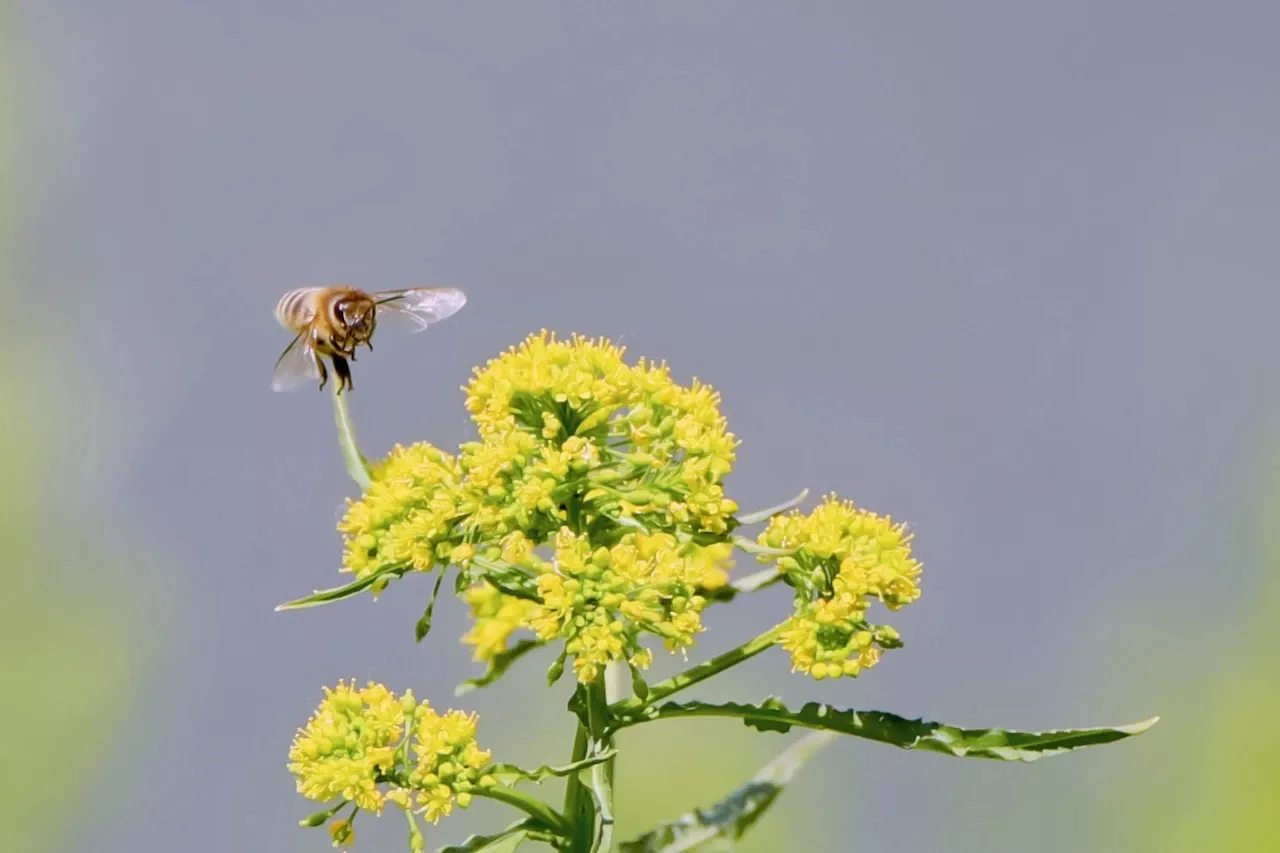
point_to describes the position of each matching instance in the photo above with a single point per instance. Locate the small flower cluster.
(348, 745)
(355, 748)
(840, 558)
(497, 616)
(450, 764)
(600, 599)
(406, 518)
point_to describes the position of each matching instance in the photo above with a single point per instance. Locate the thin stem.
(356, 464)
(601, 774)
(701, 672)
(529, 805)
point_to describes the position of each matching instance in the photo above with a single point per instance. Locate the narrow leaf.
(327, 596)
(770, 512)
(728, 820)
(502, 842)
(997, 744)
(515, 585)
(498, 667)
(509, 774)
(747, 583)
(423, 627)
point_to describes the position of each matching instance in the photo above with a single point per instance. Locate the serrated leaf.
(498, 667)
(423, 627)
(720, 825)
(509, 774)
(503, 842)
(338, 593)
(992, 743)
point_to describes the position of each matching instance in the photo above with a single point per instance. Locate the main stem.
(577, 805)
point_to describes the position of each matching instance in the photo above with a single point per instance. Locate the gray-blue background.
(1007, 271)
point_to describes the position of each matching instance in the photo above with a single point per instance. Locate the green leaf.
(729, 819)
(327, 596)
(509, 774)
(424, 624)
(508, 579)
(503, 842)
(770, 512)
(498, 666)
(556, 670)
(747, 583)
(997, 744)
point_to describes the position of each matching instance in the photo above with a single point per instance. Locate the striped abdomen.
(296, 308)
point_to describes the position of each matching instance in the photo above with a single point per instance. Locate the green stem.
(356, 464)
(577, 806)
(529, 805)
(601, 774)
(701, 672)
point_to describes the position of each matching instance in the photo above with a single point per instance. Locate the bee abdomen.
(296, 308)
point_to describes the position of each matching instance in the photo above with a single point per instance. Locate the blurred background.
(1008, 273)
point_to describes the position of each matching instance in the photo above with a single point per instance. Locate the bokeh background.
(1008, 271)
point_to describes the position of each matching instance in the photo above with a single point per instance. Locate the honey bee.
(330, 322)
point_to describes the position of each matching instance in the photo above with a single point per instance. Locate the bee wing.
(295, 366)
(419, 307)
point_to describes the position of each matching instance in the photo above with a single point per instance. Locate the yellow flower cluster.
(348, 744)
(565, 422)
(406, 517)
(841, 557)
(497, 616)
(449, 761)
(355, 743)
(830, 638)
(600, 599)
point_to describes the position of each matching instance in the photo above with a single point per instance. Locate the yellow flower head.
(829, 639)
(569, 426)
(497, 616)
(599, 600)
(867, 554)
(349, 741)
(841, 558)
(406, 517)
(448, 761)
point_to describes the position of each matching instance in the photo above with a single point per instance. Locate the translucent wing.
(415, 309)
(295, 366)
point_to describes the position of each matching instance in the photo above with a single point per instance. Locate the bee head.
(356, 314)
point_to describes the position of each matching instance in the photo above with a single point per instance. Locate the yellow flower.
(843, 557)
(570, 426)
(406, 517)
(448, 761)
(829, 639)
(346, 744)
(600, 599)
(497, 616)
(867, 553)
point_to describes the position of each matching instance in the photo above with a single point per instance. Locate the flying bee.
(330, 322)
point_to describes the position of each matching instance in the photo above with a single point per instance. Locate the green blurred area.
(1212, 784)
(67, 664)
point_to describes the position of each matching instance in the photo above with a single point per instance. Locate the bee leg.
(324, 373)
(343, 370)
